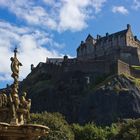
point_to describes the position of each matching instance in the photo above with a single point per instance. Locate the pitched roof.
(120, 33)
(89, 36)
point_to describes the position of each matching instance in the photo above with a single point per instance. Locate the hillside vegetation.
(61, 130)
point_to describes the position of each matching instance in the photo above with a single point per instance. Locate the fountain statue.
(15, 111)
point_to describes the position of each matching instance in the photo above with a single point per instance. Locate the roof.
(104, 38)
(110, 36)
(89, 36)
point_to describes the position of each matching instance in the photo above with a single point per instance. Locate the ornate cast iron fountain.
(15, 111)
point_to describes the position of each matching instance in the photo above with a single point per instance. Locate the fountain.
(15, 111)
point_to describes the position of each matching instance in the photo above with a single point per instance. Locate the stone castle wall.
(130, 55)
(90, 68)
(123, 67)
(93, 66)
(132, 40)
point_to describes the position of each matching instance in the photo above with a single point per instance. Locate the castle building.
(121, 45)
(111, 54)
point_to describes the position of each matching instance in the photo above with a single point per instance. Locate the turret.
(135, 37)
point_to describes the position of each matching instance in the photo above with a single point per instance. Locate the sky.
(53, 28)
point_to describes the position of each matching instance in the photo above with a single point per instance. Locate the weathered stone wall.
(90, 66)
(96, 67)
(123, 67)
(112, 42)
(86, 50)
(132, 40)
(130, 55)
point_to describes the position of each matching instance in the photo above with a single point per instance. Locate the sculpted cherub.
(15, 98)
(3, 99)
(25, 104)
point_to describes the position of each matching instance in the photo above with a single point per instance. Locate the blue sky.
(53, 28)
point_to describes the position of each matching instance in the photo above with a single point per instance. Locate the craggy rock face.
(106, 106)
(69, 93)
(113, 101)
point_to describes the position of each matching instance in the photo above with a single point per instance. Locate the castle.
(120, 45)
(111, 54)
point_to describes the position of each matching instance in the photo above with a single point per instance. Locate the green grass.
(133, 80)
(103, 82)
(135, 67)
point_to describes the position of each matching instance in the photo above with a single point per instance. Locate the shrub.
(59, 128)
(129, 130)
(92, 132)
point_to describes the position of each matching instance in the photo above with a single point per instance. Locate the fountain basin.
(22, 132)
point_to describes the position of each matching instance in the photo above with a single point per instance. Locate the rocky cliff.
(105, 100)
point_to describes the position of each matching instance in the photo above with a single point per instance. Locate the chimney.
(65, 58)
(128, 26)
(82, 42)
(32, 67)
(107, 34)
(98, 37)
(135, 37)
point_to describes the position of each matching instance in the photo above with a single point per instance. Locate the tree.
(93, 132)
(59, 128)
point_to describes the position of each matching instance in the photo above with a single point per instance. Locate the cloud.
(49, 2)
(136, 4)
(30, 44)
(56, 15)
(4, 2)
(97, 4)
(73, 14)
(120, 9)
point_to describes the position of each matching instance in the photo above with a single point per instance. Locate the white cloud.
(62, 15)
(97, 4)
(71, 16)
(120, 9)
(136, 4)
(30, 48)
(4, 2)
(74, 13)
